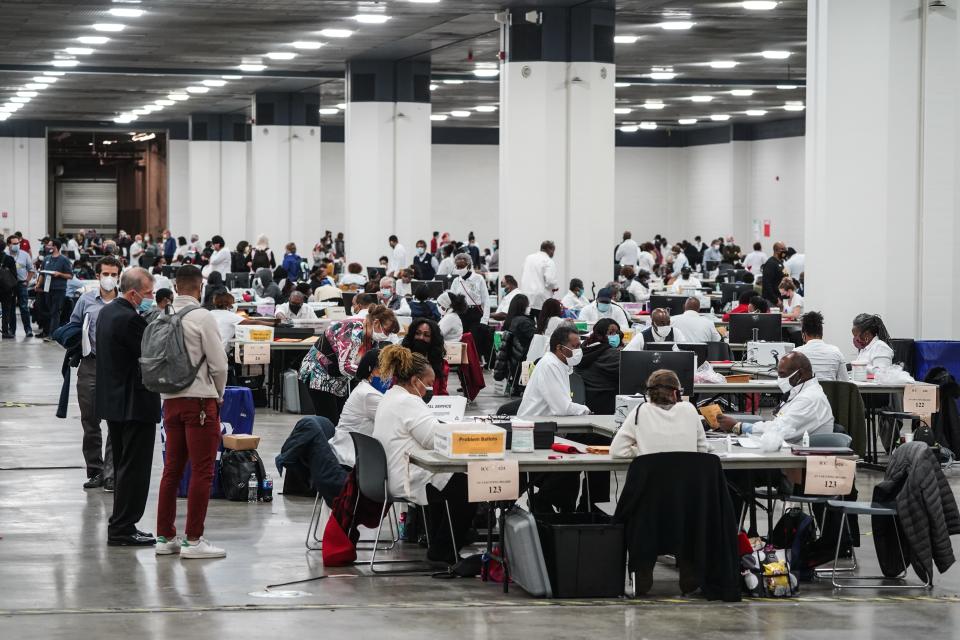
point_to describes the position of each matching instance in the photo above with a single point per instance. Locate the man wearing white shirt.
(825, 359)
(220, 260)
(806, 409)
(397, 259)
(510, 290)
(686, 283)
(603, 307)
(294, 309)
(755, 259)
(136, 250)
(680, 260)
(539, 278)
(575, 300)
(548, 392)
(795, 264)
(693, 326)
(647, 260)
(628, 253)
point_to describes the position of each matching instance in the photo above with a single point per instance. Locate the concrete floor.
(60, 580)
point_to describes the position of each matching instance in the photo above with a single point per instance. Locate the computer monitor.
(742, 326)
(346, 299)
(434, 287)
(445, 280)
(375, 273)
(169, 270)
(238, 280)
(711, 265)
(730, 291)
(699, 349)
(636, 367)
(672, 303)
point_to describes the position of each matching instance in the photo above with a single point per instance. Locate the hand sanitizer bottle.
(806, 439)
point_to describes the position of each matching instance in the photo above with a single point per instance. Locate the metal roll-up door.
(83, 205)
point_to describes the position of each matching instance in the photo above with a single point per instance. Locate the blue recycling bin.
(937, 353)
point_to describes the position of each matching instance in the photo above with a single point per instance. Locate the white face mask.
(784, 384)
(663, 332)
(380, 336)
(108, 283)
(576, 355)
(461, 272)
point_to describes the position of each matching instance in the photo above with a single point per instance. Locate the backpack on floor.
(235, 470)
(164, 361)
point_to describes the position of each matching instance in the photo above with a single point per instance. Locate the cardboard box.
(457, 353)
(624, 405)
(737, 378)
(254, 333)
(470, 440)
(240, 442)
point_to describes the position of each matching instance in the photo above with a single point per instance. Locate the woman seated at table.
(743, 305)
(361, 407)
(551, 317)
(663, 423)
(758, 304)
(227, 319)
(871, 339)
(518, 332)
(405, 425)
(424, 337)
(600, 367)
(790, 301)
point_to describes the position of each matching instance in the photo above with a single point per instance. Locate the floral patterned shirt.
(347, 340)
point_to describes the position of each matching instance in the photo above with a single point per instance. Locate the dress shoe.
(145, 534)
(132, 540)
(94, 483)
(108, 485)
(8, 336)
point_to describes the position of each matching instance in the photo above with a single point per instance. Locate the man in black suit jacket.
(131, 411)
(772, 272)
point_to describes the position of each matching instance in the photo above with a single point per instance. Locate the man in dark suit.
(772, 272)
(131, 411)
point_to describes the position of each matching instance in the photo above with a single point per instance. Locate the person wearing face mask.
(509, 289)
(548, 391)
(791, 301)
(663, 423)
(85, 313)
(574, 300)
(805, 410)
(604, 307)
(518, 332)
(826, 359)
(294, 309)
(169, 246)
(772, 273)
(539, 277)
(391, 299)
(360, 410)
(694, 326)
(686, 283)
(660, 329)
(130, 409)
(424, 337)
(452, 308)
(871, 340)
(638, 286)
(52, 284)
(397, 258)
(712, 254)
(329, 367)
(24, 269)
(600, 367)
(405, 284)
(473, 250)
(493, 261)
(679, 261)
(473, 287)
(403, 425)
(425, 264)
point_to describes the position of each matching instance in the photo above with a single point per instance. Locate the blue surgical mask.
(381, 384)
(503, 292)
(146, 304)
(603, 307)
(420, 251)
(614, 340)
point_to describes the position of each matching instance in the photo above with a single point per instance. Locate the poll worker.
(660, 329)
(397, 257)
(773, 272)
(795, 265)
(826, 359)
(452, 309)
(445, 268)
(548, 391)
(600, 367)
(712, 254)
(628, 253)
(647, 261)
(405, 283)
(360, 410)
(638, 289)
(758, 305)
(539, 277)
(574, 300)
(680, 259)
(473, 287)
(390, 299)
(871, 340)
(663, 423)
(806, 409)
(685, 283)
(743, 304)
(754, 261)
(425, 263)
(791, 301)
(425, 337)
(295, 308)
(509, 289)
(693, 326)
(604, 307)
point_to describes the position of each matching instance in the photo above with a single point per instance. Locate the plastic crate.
(584, 553)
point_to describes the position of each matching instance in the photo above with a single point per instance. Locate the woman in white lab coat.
(871, 339)
(360, 410)
(403, 425)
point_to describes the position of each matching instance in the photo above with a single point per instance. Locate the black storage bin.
(584, 554)
(543, 434)
(255, 384)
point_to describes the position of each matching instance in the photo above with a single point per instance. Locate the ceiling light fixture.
(625, 39)
(438, 117)
(629, 128)
(27, 94)
(486, 73)
(759, 5)
(342, 105)
(723, 64)
(719, 117)
(653, 104)
(123, 12)
(215, 83)
(179, 97)
(649, 126)
(165, 103)
(676, 25)
(743, 93)
(64, 63)
(109, 27)
(281, 55)
(486, 108)
(687, 121)
(756, 112)
(141, 112)
(328, 111)
(794, 106)
(93, 39)
(34, 86)
(434, 87)
(251, 67)
(306, 44)
(54, 74)
(423, 1)
(150, 108)
(232, 77)
(701, 98)
(79, 51)
(622, 111)
(621, 85)
(20, 100)
(453, 81)
(198, 89)
(786, 87)
(371, 18)
(775, 55)
(460, 114)
(44, 79)
(662, 75)
(336, 33)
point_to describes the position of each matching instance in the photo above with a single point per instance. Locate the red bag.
(338, 549)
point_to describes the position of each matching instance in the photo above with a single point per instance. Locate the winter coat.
(600, 372)
(307, 449)
(946, 422)
(848, 410)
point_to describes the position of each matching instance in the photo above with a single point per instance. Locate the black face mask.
(428, 396)
(295, 308)
(419, 346)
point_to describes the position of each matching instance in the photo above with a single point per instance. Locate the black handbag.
(235, 470)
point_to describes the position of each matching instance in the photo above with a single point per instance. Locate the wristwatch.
(738, 428)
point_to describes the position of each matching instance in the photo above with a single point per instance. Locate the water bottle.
(806, 439)
(402, 525)
(267, 489)
(252, 488)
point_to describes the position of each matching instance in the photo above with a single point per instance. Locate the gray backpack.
(164, 362)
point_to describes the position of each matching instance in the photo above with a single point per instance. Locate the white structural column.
(882, 166)
(557, 142)
(387, 157)
(23, 184)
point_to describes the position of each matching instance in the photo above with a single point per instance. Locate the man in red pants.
(191, 420)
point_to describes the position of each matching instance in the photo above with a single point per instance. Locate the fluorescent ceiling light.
(141, 112)
(719, 117)
(215, 83)
(423, 1)
(64, 63)
(4, 116)
(701, 98)
(44, 79)
(676, 25)
(125, 118)
(232, 77)
(723, 64)
(460, 114)
(110, 27)
(438, 117)
(79, 51)
(251, 67)
(306, 44)
(150, 108)
(93, 39)
(178, 96)
(629, 128)
(756, 112)
(651, 104)
(54, 74)
(434, 87)
(328, 111)
(165, 103)
(625, 39)
(336, 33)
(197, 89)
(786, 87)
(486, 108)
(20, 100)
(342, 105)
(281, 55)
(27, 94)
(371, 18)
(759, 5)
(649, 126)
(622, 111)
(123, 12)
(453, 81)
(687, 121)
(33, 86)
(741, 92)
(486, 73)
(621, 85)
(662, 75)
(793, 106)
(775, 55)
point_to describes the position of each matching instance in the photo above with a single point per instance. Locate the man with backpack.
(191, 416)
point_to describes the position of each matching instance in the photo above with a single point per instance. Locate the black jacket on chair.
(121, 396)
(677, 503)
(946, 422)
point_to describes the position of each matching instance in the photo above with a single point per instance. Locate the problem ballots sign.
(470, 440)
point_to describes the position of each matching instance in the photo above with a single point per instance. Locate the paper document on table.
(739, 454)
(748, 443)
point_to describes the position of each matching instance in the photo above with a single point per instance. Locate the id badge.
(46, 283)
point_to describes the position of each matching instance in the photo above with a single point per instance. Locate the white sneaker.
(201, 549)
(167, 547)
